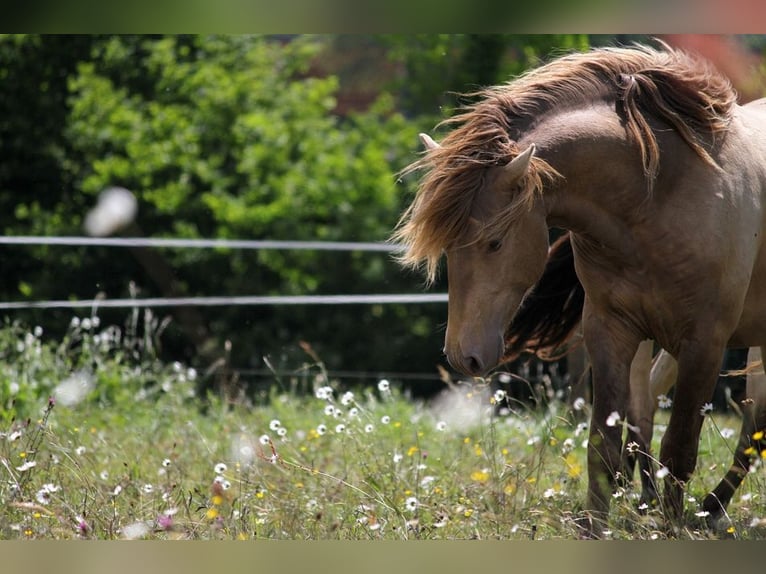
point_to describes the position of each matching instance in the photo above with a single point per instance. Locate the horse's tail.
(552, 310)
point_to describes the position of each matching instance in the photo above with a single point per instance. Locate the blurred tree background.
(246, 137)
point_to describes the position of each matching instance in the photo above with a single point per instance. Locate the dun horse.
(646, 158)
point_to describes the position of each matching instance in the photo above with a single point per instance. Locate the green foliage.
(234, 137)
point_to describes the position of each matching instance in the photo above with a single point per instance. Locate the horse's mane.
(675, 87)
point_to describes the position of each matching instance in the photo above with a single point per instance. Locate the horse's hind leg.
(753, 421)
(645, 389)
(640, 423)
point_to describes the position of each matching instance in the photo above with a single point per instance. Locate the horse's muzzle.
(473, 359)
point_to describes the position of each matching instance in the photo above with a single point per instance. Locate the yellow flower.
(731, 530)
(217, 500)
(478, 450)
(480, 476)
(412, 450)
(211, 514)
(467, 440)
(750, 451)
(574, 468)
(758, 435)
(241, 536)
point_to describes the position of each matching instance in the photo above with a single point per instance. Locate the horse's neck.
(603, 188)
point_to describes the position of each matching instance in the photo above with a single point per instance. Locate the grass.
(125, 449)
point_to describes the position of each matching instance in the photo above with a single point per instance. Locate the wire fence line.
(215, 301)
(173, 243)
(245, 300)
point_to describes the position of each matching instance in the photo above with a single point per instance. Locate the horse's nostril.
(474, 365)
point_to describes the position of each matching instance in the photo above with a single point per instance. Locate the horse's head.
(500, 257)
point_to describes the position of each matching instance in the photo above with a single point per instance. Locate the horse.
(644, 155)
(547, 322)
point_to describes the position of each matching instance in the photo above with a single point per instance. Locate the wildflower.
(43, 496)
(613, 419)
(702, 514)
(385, 419)
(340, 429)
(347, 398)
(580, 428)
(135, 530)
(74, 388)
(567, 446)
(80, 450)
(441, 426)
(499, 396)
(353, 413)
(148, 489)
(331, 411)
(632, 447)
(26, 466)
(82, 526)
(480, 475)
(411, 504)
(281, 431)
(664, 402)
(166, 462)
(369, 428)
(220, 468)
(504, 378)
(324, 393)
(578, 404)
(15, 435)
(549, 493)
(321, 429)
(104, 475)
(662, 472)
(707, 408)
(275, 424)
(727, 432)
(264, 439)
(117, 490)
(758, 435)
(384, 385)
(165, 521)
(397, 457)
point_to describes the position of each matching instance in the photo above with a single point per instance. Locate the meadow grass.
(100, 440)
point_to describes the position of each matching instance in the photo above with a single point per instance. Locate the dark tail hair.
(552, 310)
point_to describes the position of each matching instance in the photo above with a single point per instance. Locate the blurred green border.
(323, 16)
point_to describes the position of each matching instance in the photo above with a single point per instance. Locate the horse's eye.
(494, 245)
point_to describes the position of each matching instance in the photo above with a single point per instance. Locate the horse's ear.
(518, 166)
(428, 142)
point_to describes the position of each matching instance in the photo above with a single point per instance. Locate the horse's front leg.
(699, 363)
(611, 352)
